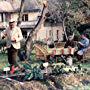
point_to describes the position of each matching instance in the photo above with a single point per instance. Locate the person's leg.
(80, 55)
(9, 54)
(12, 55)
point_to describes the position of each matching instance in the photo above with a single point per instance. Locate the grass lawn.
(86, 65)
(3, 60)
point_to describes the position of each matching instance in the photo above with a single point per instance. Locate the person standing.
(13, 35)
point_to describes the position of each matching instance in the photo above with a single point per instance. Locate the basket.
(41, 52)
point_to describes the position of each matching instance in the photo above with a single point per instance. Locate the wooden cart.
(42, 52)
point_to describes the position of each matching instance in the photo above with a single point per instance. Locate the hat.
(11, 20)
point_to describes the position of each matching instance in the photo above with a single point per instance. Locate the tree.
(29, 41)
(21, 11)
(70, 12)
(76, 13)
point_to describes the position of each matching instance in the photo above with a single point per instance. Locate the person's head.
(83, 36)
(12, 24)
(70, 38)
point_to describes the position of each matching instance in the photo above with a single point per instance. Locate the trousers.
(12, 55)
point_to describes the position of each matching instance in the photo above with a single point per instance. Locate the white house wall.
(60, 35)
(41, 34)
(44, 33)
(14, 16)
(31, 16)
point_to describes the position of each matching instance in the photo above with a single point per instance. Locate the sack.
(22, 56)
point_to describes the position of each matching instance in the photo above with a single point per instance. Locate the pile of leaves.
(62, 77)
(74, 81)
(34, 85)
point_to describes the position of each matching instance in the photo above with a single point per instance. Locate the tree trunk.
(20, 12)
(29, 41)
(64, 29)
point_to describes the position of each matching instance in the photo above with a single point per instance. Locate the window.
(8, 17)
(24, 34)
(50, 33)
(57, 34)
(25, 17)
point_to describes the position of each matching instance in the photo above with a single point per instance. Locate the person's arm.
(81, 43)
(66, 44)
(3, 34)
(85, 43)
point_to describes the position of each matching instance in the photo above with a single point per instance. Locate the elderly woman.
(82, 46)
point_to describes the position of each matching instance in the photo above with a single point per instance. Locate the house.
(54, 32)
(29, 17)
(32, 11)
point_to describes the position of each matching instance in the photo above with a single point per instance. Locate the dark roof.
(29, 6)
(5, 6)
(28, 10)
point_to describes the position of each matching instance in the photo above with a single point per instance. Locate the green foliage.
(71, 27)
(34, 73)
(54, 60)
(62, 69)
(69, 9)
(73, 5)
(87, 32)
(76, 5)
(26, 66)
(58, 70)
(2, 45)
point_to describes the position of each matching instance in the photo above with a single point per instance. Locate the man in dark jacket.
(70, 42)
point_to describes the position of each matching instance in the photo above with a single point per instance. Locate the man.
(13, 35)
(83, 45)
(70, 42)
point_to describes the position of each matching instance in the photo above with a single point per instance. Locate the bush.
(2, 43)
